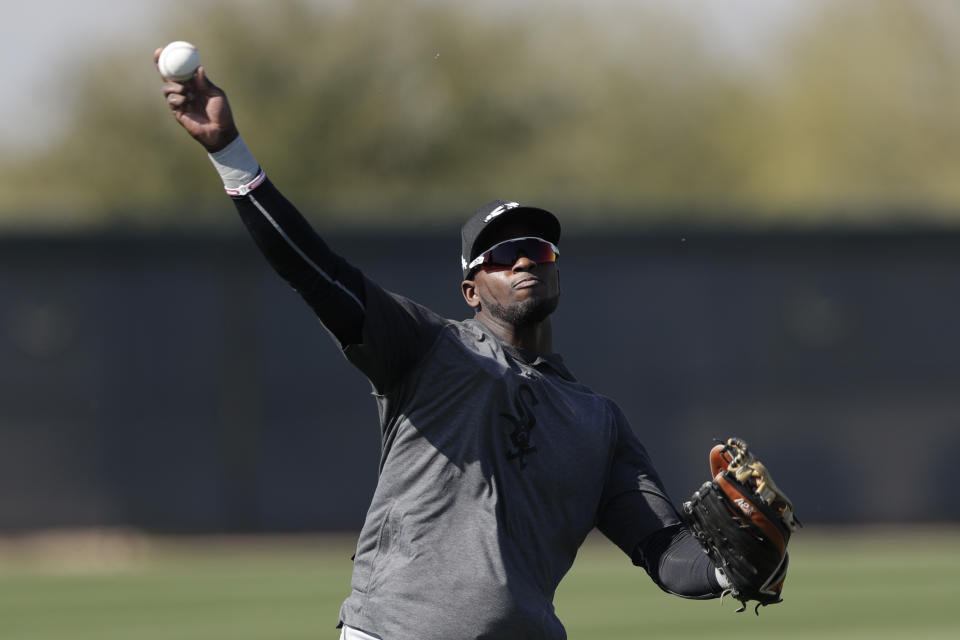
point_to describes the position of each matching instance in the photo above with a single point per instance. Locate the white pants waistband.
(348, 633)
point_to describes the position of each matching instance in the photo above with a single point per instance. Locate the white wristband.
(237, 168)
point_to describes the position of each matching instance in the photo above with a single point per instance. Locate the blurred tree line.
(412, 113)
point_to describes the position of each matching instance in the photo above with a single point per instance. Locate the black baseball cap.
(484, 222)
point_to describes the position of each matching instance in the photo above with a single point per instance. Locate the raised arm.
(383, 344)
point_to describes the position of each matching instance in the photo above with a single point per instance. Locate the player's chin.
(535, 309)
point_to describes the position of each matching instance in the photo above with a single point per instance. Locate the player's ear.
(469, 290)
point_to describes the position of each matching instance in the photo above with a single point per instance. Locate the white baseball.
(178, 61)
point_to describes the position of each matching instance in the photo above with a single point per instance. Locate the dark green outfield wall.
(176, 384)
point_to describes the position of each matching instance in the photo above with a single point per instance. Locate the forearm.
(330, 285)
(677, 564)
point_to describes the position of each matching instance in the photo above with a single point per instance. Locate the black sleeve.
(384, 335)
(677, 564)
(638, 516)
(634, 503)
(331, 286)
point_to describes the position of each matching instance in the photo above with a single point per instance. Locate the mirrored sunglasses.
(506, 253)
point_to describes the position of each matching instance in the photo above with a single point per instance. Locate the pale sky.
(39, 38)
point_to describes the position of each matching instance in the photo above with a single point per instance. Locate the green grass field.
(843, 583)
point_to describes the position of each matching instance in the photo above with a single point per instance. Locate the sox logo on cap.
(506, 206)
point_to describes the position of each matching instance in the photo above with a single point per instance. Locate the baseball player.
(496, 462)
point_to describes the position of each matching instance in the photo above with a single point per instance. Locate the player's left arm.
(675, 561)
(638, 516)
